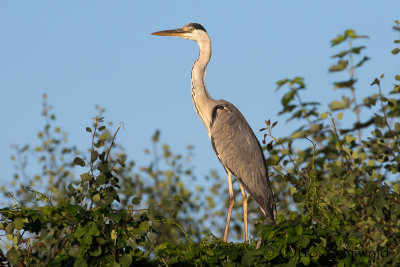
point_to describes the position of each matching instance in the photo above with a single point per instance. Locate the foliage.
(291, 242)
(84, 228)
(341, 175)
(337, 197)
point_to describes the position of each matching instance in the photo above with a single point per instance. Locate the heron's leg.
(244, 203)
(231, 202)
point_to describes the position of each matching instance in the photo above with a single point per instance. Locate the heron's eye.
(190, 29)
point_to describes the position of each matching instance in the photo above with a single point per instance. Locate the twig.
(341, 146)
(352, 89)
(303, 109)
(92, 150)
(384, 112)
(112, 142)
(278, 141)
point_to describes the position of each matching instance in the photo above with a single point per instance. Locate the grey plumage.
(239, 151)
(231, 137)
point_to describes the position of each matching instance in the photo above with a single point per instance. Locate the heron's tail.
(270, 210)
(265, 200)
(268, 206)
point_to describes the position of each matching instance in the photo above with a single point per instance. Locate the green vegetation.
(337, 197)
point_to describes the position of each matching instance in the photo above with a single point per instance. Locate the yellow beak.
(175, 32)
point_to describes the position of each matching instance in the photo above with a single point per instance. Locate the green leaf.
(100, 240)
(340, 116)
(357, 50)
(324, 115)
(350, 33)
(121, 162)
(136, 200)
(339, 39)
(396, 187)
(379, 203)
(362, 61)
(297, 134)
(18, 223)
(96, 198)
(354, 50)
(103, 137)
(156, 136)
(395, 51)
(12, 256)
(10, 228)
(161, 246)
(80, 262)
(378, 133)
(144, 226)
(339, 240)
(126, 260)
(93, 156)
(71, 190)
(299, 81)
(304, 241)
(338, 105)
(344, 84)
(101, 179)
(232, 254)
(94, 230)
(376, 81)
(379, 121)
(80, 231)
(350, 139)
(79, 161)
(247, 260)
(72, 209)
(169, 174)
(292, 190)
(280, 83)
(88, 129)
(397, 77)
(86, 177)
(87, 239)
(271, 252)
(341, 54)
(397, 127)
(341, 65)
(96, 253)
(298, 197)
(289, 96)
(304, 259)
(116, 217)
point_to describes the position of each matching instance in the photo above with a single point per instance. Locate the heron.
(232, 139)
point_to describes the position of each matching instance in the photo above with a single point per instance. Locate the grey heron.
(232, 139)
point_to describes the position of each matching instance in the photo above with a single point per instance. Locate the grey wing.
(240, 152)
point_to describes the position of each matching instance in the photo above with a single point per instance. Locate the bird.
(232, 139)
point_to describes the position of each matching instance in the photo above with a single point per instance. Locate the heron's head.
(191, 31)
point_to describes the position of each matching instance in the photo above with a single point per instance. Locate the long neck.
(200, 96)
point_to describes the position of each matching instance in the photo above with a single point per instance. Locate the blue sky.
(87, 53)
